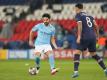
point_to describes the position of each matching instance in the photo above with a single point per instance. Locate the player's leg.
(80, 47)
(37, 61)
(100, 61)
(51, 59)
(50, 55)
(52, 62)
(37, 54)
(92, 50)
(76, 63)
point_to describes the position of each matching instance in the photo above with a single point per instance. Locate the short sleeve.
(78, 18)
(35, 28)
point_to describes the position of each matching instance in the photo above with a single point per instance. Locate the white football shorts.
(43, 48)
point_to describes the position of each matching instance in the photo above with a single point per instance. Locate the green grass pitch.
(18, 70)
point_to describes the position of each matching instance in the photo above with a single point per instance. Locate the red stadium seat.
(23, 27)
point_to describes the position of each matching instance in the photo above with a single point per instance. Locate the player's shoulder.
(82, 14)
(52, 27)
(91, 17)
(77, 15)
(38, 25)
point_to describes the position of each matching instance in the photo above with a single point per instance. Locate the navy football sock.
(76, 61)
(100, 61)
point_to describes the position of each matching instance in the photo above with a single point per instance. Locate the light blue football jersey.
(44, 33)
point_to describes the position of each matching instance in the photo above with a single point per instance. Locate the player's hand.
(78, 41)
(97, 39)
(31, 43)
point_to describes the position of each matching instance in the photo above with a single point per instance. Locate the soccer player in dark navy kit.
(86, 38)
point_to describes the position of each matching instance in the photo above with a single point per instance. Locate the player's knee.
(37, 54)
(93, 53)
(49, 52)
(77, 52)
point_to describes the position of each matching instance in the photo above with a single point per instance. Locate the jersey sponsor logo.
(44, 33)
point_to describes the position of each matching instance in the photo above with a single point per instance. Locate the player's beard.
(46, 23)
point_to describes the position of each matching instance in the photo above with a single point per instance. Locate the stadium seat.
(65, 18)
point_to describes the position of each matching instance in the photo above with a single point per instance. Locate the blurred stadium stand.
(26, 13)
(13, 2)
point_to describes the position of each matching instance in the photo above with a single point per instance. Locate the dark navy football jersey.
(87, 25)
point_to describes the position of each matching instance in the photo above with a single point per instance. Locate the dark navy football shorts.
(89, 44)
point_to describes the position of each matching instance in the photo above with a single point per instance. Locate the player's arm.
(31, 38)
(79, 23)
(96, 28)
(79, 28)
(53, 41)
(35, 28)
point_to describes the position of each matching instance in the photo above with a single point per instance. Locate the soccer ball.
(32, 71)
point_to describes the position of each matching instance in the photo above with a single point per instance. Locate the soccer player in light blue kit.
(45, 36)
